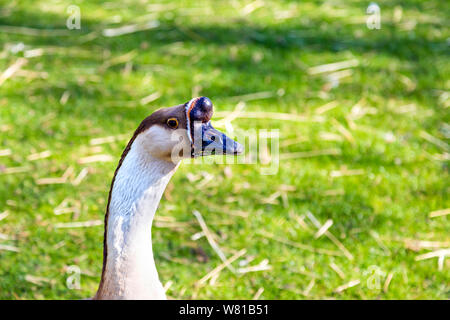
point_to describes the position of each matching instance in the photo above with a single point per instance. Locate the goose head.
(184, 131)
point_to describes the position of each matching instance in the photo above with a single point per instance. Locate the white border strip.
(188, 120)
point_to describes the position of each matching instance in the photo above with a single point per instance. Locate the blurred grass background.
(385, 115)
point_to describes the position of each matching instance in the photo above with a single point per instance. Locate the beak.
(209, 141)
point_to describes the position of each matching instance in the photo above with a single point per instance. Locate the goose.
(148, 162)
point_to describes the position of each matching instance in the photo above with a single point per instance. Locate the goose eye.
(172, 123)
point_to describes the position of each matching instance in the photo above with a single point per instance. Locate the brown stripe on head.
(161, 116)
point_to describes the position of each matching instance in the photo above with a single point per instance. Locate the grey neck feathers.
(130, 271)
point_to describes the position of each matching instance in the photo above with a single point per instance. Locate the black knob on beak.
(202, 110)
(205, 104)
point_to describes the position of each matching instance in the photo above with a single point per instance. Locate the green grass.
(213, 48)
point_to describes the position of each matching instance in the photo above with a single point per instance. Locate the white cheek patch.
(163, 143)
(154, 141)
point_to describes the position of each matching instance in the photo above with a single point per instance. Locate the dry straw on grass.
(388, 282)
(109, 139)
(347, 285)
(262, 266)
(150, 98)
(346, 172)
(330, 236)
(14, 170)
(4, 214)
(39, 155)
(439, 213)
(5, 152)
(338, 270)
(38, 280)
(80, 177)
(79, 224)
(12, 69)
(222, 266)
(96, 158)
(7, 247)
(131, 28)
(258, 294)
(332, 67)
(210, 238)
